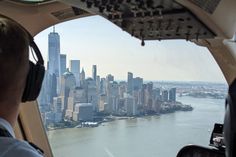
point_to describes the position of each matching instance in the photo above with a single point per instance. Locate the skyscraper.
(75, 69)
(172, 94)
(82, 77)
(62, 63)
(165, 94)
(130, 83)
(109, 78)
(94, 72)
(54, 53)
(54, 59)
(137, 83)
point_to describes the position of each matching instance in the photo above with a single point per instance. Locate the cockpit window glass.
(106, 95)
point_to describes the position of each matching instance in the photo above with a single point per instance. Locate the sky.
(96, 41)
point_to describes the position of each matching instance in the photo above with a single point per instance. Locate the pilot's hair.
(14, 62)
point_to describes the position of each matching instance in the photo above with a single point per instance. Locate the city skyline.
(120, 51)
(68, 99)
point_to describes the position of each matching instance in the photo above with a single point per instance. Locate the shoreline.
(112, 118)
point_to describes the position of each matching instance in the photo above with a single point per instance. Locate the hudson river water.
(154, 136)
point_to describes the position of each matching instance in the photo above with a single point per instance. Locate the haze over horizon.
(96, 41)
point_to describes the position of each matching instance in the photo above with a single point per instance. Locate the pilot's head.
(14, 62)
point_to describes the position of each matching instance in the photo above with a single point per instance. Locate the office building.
(172, 95)
(131, 108)
(165, 95)
(57, 108)
(67, 84)
(70, 108)
(157, 94)
(54, 53)
(75, 69)
(113, 95)
(62, 63)
(79, 94)
(92, 93)
(82, 78)
(54, 59)
(102, 85)
(98, 84)
(130, 83)
(109, 78)
(85, 112)
(102, 101)
(94, 73)
(137, 83)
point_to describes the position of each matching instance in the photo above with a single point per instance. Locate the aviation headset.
(36, 71)
(230, 121)
(35, 75)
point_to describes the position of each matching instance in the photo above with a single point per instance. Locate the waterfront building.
(165, 95)
(92, 93)
(58, 117)
(137, 97)
(148, 96)
(75, 69)
(57, 108)
(85, 112)
(75, 116)
(121, 107)
(156, 94)
(106, 108)
(122, 89)
(157, 105)
(70, 108)
(113, 96)
(131, 108)
(94, 72)
(62, 63)
(130, 82)
(68, 83)
(143, 93)
(102, 102)
(58, 104)
(49, 118)
(172, 95)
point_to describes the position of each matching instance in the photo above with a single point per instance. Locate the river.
(154, 136)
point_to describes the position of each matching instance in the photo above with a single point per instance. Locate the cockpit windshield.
(106, 95)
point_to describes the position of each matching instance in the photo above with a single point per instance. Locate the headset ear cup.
(27, 83)
(34, 82)
(39, 77)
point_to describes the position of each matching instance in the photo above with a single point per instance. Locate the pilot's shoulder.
(22, 149)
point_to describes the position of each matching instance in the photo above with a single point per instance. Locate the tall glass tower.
(130, 83)
(54, 58)
(75, 69)
(62, 63)
(94, 71)
(54, 53)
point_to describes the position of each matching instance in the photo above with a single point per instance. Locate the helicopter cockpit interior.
(207, 23)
